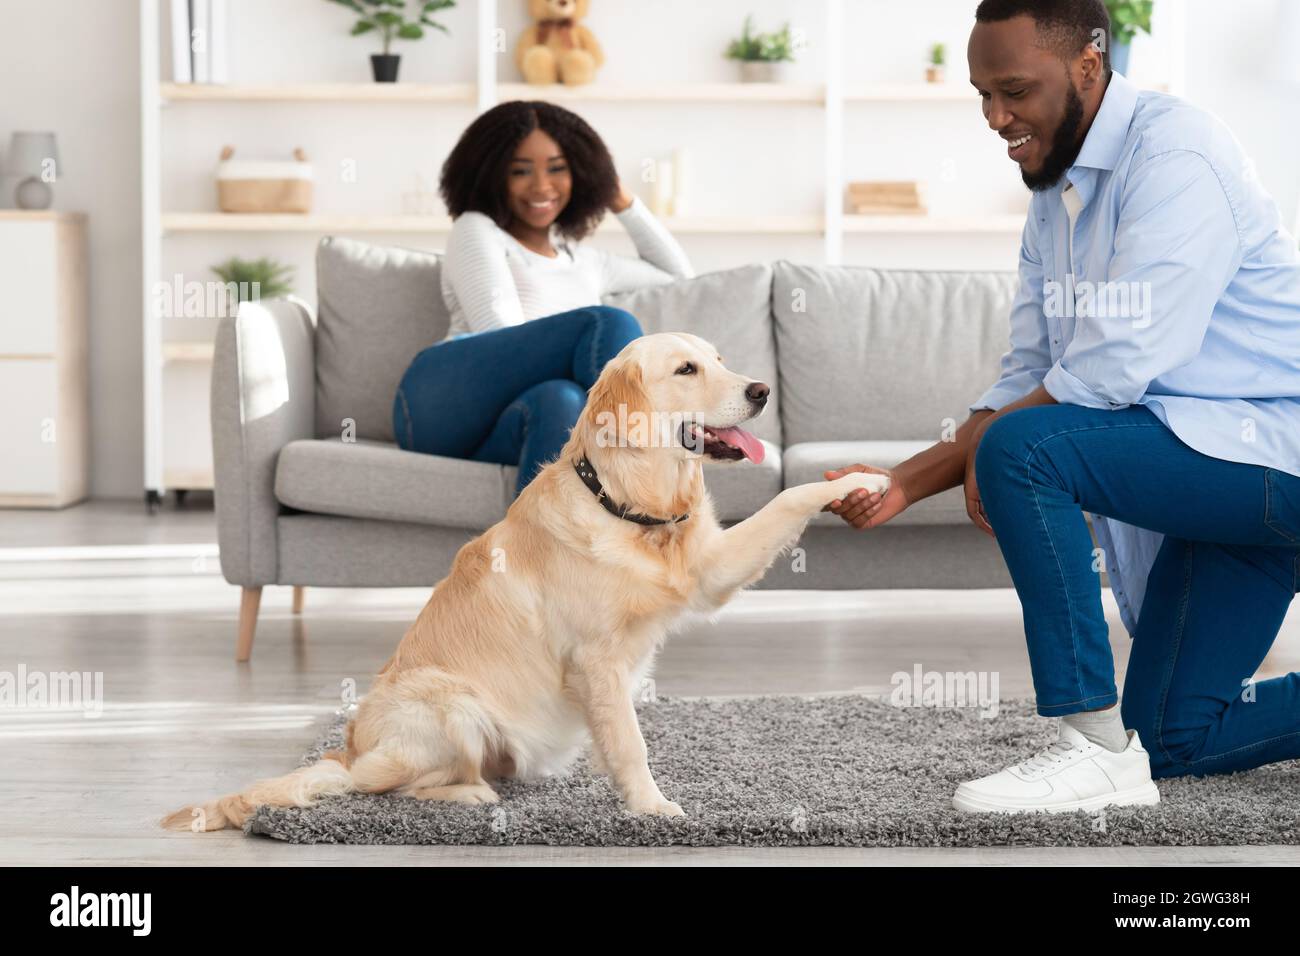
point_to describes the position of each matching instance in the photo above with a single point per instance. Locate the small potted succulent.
(763, 56)
(389, 17)
(934, 72)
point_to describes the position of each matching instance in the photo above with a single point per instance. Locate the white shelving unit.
(832, 97)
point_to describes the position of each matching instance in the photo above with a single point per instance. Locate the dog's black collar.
(587, 472)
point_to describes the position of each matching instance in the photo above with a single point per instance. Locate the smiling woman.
(528, 335)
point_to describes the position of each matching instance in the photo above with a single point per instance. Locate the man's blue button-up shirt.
(1166, 280)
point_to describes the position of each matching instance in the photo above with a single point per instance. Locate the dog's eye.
(688, 368)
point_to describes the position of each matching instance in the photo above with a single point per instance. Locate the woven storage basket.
(264, 185)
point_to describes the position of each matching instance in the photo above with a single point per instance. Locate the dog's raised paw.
(876, 484)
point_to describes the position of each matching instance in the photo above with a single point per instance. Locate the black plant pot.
(384, 66)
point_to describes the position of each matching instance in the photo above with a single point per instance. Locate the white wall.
(71, 66)
(1243, 66)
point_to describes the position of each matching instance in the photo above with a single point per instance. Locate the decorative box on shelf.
(265, 186)
(44, 370)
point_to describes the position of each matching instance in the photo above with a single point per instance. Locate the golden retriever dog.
(535, 645)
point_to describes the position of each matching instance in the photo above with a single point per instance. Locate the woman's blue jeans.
(508, 396)
(1215, 599)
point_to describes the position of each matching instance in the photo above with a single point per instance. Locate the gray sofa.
(866, 365)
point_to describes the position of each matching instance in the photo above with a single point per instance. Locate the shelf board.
(934, 225)
(811, 93)
(320, 223)
(733, 225)
(658, 93)
(41, 215)
(910, 93)
(200, 352)
(197, 479)
(201, 222)
(465, 93)
(294, 222)
(319, 92)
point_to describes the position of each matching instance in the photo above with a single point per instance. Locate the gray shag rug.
(807, 771)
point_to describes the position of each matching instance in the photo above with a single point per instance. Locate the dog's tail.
(301, 788)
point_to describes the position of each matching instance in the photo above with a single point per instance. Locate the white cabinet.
(44, 370)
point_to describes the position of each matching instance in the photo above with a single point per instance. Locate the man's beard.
(1066, 144)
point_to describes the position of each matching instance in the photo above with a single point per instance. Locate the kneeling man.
(1153, 381)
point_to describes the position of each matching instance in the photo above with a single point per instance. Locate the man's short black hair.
(1064, 26)
(474, 175)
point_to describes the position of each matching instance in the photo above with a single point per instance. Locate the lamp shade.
(29, 152)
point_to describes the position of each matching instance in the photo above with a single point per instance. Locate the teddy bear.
(557, 48)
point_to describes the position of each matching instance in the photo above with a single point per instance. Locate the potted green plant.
(934, 72)
(252, 279)
(389, 18)
(763, 56)
(1127, 18)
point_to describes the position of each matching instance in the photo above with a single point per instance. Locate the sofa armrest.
(263, 397)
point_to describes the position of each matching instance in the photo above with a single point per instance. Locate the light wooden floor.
(182, 721)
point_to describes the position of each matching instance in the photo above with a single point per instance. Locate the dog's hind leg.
(466, 736)
(452, 793)
(462, 785)
(378, 772)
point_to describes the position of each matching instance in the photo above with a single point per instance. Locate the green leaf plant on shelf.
(763, 56)
(248, 280)
(938, 57)
(390, 19)
(1127, 19)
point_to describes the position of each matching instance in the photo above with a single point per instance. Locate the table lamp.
(34, 159)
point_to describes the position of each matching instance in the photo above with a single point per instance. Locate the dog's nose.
(757, 393)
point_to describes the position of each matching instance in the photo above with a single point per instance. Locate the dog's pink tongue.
(751, 446)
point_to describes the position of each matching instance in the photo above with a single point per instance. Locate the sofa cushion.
(808, 462)
(377, 307)
(367, 479)
(885, 354)
(733, 310)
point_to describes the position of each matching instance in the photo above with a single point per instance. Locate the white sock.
(1105, 728)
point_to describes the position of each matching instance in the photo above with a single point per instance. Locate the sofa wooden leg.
(298, 593)
(250, 599)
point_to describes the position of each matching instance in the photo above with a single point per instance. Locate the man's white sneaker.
(1071, 774)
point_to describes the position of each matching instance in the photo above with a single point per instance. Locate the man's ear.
(1091, 66)
(619, 400)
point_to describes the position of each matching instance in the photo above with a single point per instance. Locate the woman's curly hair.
(474, 175)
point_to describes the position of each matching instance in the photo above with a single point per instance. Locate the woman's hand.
(864, 509)
(974, 504)
(622, 200)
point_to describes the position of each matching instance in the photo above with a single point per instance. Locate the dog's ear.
(619, 401)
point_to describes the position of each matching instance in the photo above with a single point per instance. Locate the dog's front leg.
(738, 556)
(606, 697)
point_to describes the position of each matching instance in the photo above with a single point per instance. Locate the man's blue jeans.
(1215, 599)
(509, 396)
